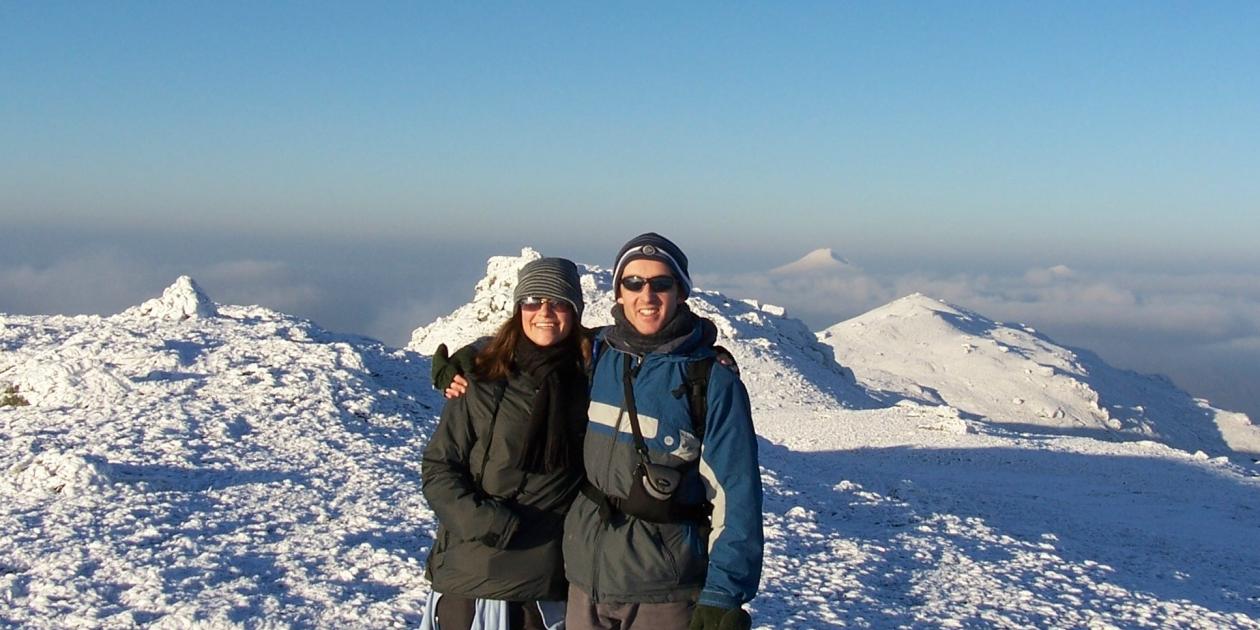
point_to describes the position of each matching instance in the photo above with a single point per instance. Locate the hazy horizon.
(1086, 169)
(1199, 327)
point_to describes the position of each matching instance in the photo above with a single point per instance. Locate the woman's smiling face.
(548, 322)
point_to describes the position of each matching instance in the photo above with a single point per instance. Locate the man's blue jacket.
(629, 560)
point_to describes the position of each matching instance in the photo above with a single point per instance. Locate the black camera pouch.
(652, 493)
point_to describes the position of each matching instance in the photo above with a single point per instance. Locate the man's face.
(647, 310)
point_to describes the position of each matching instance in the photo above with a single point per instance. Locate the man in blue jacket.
(667, 533)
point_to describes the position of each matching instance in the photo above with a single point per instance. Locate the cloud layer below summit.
(1200, 327)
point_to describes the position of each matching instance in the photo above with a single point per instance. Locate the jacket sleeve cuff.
(718, 600)
(502, 528)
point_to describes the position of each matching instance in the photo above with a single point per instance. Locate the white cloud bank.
(106, 281)
(1201, 329)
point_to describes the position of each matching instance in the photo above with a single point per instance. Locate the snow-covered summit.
(209, 472)
(819, 261)
(929, 351)
(254, 469)
(182, 300)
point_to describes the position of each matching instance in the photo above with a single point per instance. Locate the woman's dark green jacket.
(500, 527)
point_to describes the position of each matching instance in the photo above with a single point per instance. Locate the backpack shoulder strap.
(696, 386)
(724, 356)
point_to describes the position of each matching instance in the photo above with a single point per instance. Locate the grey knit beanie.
(553, 278)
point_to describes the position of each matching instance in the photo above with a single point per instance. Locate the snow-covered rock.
(182, 300)
(65, 473)
(491, 305)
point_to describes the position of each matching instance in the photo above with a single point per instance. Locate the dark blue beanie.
(656, 247)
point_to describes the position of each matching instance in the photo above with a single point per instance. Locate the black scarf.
(676, 333)
(558, 415)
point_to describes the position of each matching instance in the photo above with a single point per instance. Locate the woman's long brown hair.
(497, 360)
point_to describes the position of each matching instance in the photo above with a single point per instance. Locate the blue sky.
(1033, 128)
(356, 163)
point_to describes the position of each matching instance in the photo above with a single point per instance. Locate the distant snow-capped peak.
(182, 300)
(823, 260)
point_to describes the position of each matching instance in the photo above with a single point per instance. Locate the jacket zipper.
(500, 392)
(595, 563)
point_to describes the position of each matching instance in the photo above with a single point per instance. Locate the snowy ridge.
(935, 353)
(254, 470)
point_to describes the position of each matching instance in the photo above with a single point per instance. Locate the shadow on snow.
(1173, 531)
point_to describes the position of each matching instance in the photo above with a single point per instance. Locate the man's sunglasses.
(532, 303)
(658, 284)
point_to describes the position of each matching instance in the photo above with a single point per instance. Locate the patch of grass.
(9, 397)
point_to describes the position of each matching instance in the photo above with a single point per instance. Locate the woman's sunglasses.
(658, 284)
(532, 303)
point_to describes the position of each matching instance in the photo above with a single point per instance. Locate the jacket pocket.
(581, 527)
(683, 544)
(437, 554)
(671, 555)
(655, 559)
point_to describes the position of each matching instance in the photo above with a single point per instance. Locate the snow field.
(876, 520)
(250, 467)
(201, 465)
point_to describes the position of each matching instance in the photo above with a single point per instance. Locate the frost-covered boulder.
(490, 307)
(55, 473)
(182, 300)
(491, 304)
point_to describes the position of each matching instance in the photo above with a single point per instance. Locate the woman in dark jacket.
(505, 462)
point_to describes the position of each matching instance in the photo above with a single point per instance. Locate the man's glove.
(447, 367)
(714, 618)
